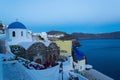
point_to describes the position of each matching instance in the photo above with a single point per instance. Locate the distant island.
(82, 36)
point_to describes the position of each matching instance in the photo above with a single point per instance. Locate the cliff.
(111, 35)
(78, 36)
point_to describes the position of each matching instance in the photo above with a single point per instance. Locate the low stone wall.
(93, 74)
(37, 50)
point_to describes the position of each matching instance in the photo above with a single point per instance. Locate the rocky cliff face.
(56, 32)
(66, 37)
(78, 36)
(112, 35)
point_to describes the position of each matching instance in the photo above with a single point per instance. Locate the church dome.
(16, 25)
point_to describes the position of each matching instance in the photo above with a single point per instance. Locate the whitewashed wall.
(80, 65)
(18, 38)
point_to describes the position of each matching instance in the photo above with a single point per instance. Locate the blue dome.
(16, 25)
(78, 54)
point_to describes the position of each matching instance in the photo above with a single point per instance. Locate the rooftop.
(16, 25)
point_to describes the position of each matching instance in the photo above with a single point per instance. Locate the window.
(21, 33)
(13, 33)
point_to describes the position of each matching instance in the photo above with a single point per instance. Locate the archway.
(38, 61)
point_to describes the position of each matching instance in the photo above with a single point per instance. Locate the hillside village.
(26, 55)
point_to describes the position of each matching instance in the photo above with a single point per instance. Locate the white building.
(17, 32)
(43, 35)
(56, 36)
(80, 64)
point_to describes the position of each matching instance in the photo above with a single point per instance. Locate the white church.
(17, 32)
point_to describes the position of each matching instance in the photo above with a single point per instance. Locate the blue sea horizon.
(104, 55)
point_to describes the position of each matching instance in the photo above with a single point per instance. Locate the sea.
(103, 55)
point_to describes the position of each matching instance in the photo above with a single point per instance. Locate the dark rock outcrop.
(65, 37)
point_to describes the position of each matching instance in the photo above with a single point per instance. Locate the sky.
(88, 16)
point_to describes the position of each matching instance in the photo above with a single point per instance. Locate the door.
(38, 61)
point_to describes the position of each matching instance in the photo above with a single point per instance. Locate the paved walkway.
(92, 74)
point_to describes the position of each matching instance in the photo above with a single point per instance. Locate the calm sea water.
(104, 55)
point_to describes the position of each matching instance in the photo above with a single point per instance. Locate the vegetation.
(62, 58)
